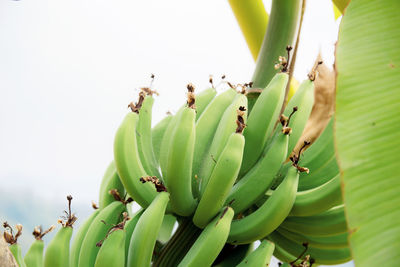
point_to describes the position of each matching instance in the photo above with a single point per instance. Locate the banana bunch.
(224, 177)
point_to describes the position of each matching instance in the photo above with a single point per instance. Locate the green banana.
(78, 239)
(261, 256)
(206, 126)
(112, 248)
(129, 228)
(220, 183)
(302, 101)
(330, 222)
(319, 255)
(166, 228)
(97, 231)
(270, 215)
(226, 127)
(157, 134)
(110, 181)
(145, 234)
(262, 119)
(34, 256)
(253, 185)
(143, 136)
(178, 173)
(319, 199)
(127, 161)
(16, 251)
(12, 239)
(210, 242)
(203, 99)
(57, 252)
(325, 242)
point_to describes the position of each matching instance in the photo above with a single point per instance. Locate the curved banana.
(220, 183)
(330, 222)
(157, 134)
(262, 119)
(110, 181)
(259, 179)
(319, 199)
(143, 136)
(203, 99)
(210, 242)
(226, 127)
(129, 228)
(178, 175)
(269, 216)
(206, 125)
(97, 231)
(16, 251)
(127, 161)
(261, 256)
(325, 242)
(12, 239)
(145, 234)
(78, 238)
(34, 256)
(303, 99)
(319, 255)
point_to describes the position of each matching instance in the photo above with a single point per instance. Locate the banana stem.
(179, 244)
(281, 32)
(253, 20)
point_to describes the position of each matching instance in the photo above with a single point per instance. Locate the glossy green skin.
(259, 257)
(129, 228)
(321, 256)
(179, 164)
(262, 120)
(303, 99)
(78, 239)
(127, 161)
(112, 251)
(330, 222)
(145, 234)
(110, 181)
(144, 139)
(57, 252)
(210, 242)
(203, 99)
(157, 134)
(269, 216)
(97, 231)
(227, 125)
(319, 199)
(34, 256)
(16, 251)
(206, 125)
(221, 181)
(259, 179)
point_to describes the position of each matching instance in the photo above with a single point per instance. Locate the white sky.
(68, 69)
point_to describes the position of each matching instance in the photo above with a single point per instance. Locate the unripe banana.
(270, 215)
(127, 161)
(261, 256)
(259, 179)
(262, 119)
(129, 228)
(210, 242)
(319, 199)
(16, 251)
(79, 237)
(179, 164)
(34, 256)
(206, 126)
(12, 239)
(330, 222)
(97, 231)
(203, 99)
(110, 181)
(143, 136)
(220, 183)
(112, 251)
(157, 134)
(226, 127)
(145, 234)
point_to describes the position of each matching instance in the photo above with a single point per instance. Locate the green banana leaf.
(367, 128)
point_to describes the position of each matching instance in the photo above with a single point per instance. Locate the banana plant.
(365, 129)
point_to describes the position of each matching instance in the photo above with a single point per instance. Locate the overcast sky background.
(68, 69)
